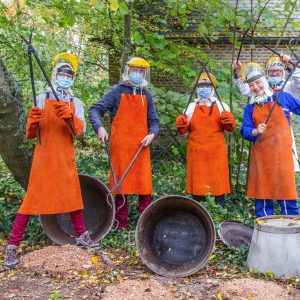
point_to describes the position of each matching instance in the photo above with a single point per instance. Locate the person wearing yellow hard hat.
(53, 186)
(271, 170)
(276, 68)
(205, 121)
(133, 121)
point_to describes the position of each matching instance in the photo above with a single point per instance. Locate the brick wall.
(217, 51)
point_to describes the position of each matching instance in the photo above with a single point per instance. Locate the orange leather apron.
(271, 170)
(53, 184)
(129, 127)
(207, 162)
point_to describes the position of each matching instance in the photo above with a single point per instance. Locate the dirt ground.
(114, 274)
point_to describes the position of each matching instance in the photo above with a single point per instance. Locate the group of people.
(54, 184)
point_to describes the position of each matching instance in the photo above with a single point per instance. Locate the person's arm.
(293, 86)
(106, 103)
(152, 118)
(227, 117)
(79, 119)
(248, 127)
(242, 86)
(35, 116)
(289, 101)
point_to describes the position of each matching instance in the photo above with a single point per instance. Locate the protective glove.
(62, 110)
(228, 121)
(35, 115)
(181, 121)
(148, 139)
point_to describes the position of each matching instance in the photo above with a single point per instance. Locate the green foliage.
(224, 256)
(93, 30)
(11, 196)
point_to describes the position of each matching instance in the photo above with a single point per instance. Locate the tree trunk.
(14, 150)
(126, 40)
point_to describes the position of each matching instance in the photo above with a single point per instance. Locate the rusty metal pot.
(175, 236)
(98, 213)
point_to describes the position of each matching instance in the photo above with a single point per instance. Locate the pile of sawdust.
(137, 290)
(58, 260)
(256, 289)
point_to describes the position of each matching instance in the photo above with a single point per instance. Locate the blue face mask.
(136, 78)
(275, 80)
(64, 82)
(204, 93)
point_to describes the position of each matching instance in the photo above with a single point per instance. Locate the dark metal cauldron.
(235, 233)
(99, 213)
(175, 236)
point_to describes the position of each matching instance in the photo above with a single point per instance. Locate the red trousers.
(21, 222)
(122, 208)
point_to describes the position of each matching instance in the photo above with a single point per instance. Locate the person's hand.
(181, 121)
(286, 60)
(227, 118)
(148, 139)
(62, 110)
(102, 134)
(35, 115)
(261, 128)
(237, 65)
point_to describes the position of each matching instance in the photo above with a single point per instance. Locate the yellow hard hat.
(204, 76)
(251, 68)
(138, 62)
(273, 60)
(74, 60)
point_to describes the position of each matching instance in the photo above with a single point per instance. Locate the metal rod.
(277, 98)
(242, 41)
(33, 88)
(114, 177)
(217, 94)
(51, 86)
(194, 88)
(262, 44)
(129, 167)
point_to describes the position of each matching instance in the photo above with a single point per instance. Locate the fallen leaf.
(259, 222)
(119, 277)
(95, 260)
(56, 296)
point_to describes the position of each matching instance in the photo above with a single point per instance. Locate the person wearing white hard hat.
(271, 171)
(276, 68)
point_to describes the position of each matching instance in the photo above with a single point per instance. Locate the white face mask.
(64, 82)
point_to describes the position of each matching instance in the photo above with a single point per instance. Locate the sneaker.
(11, 261)
(85, 241)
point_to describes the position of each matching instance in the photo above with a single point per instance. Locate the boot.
(85, 241)
(11, 261)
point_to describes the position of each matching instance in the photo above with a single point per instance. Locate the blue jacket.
(111, 101)
(288, 104)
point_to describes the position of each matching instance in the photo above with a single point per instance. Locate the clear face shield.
(137, 76)
(252, 73)
(276, 74)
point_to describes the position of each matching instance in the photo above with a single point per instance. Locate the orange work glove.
(62, 110)
(35, 115)
(227, 119)
(181, 121)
